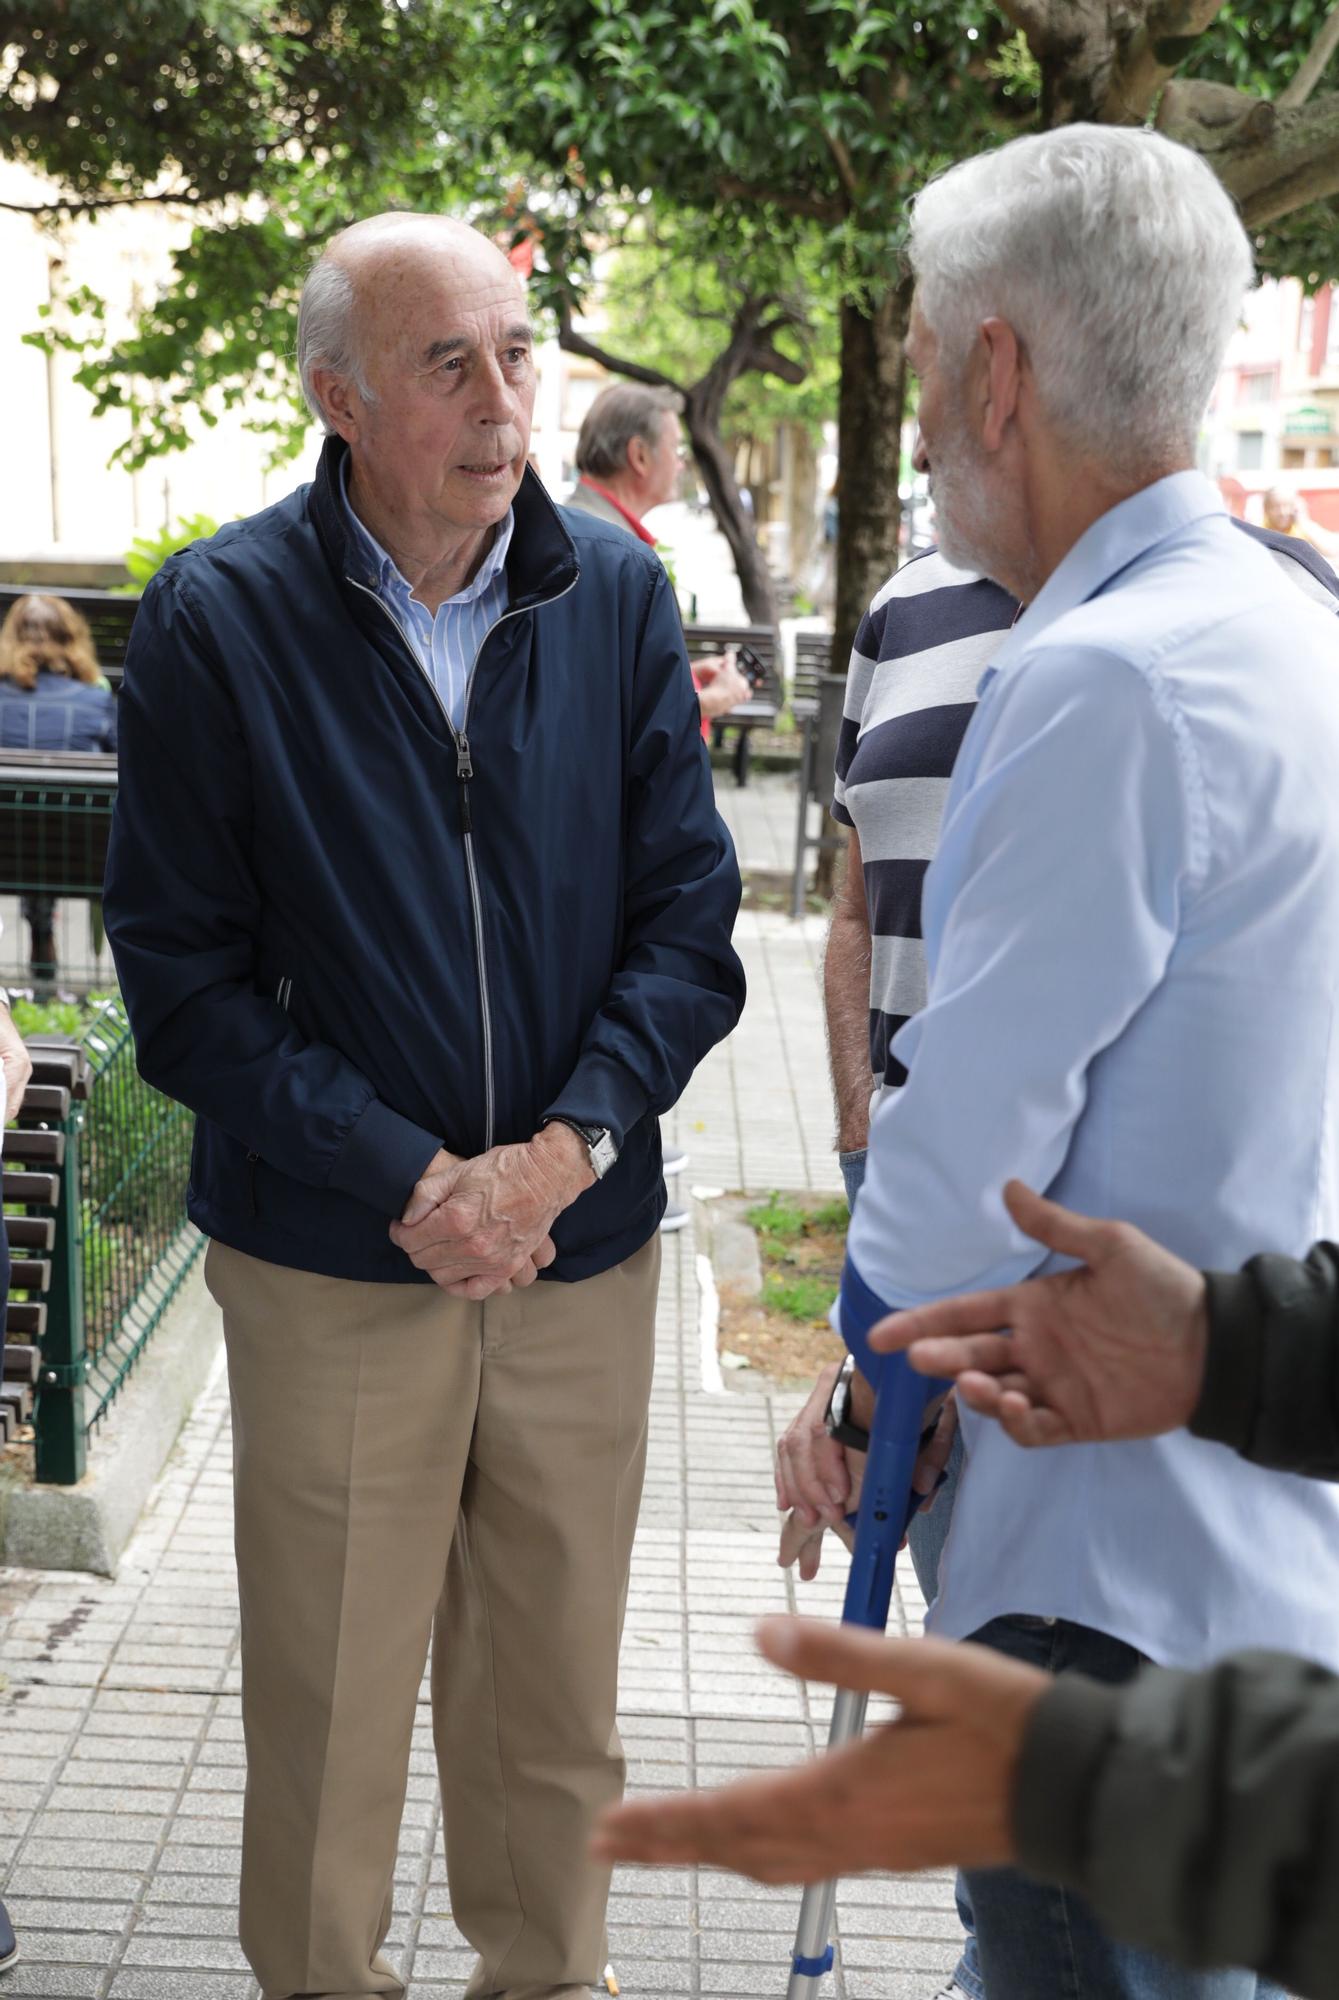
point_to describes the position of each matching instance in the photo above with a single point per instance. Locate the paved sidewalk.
(120, 1734)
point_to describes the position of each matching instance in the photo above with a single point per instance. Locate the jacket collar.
(541, 562)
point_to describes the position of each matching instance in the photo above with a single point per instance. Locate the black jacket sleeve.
(1271, 1380)
(1197, 1813)
(679, 987)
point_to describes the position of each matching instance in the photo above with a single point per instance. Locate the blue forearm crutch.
(887, 1504)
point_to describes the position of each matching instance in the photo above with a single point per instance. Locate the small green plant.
(778, 1218)
(798, 1295)
(147, 553)
(801, 1250)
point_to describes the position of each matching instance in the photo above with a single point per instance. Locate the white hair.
(326, 333)
(1119, 262)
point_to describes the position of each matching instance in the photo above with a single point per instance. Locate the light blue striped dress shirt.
(1132, 925)
(445, 643)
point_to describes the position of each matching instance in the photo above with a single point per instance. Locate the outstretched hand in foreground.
(932, 1789)
(1113, 1349)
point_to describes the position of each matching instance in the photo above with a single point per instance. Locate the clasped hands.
(481, 1226)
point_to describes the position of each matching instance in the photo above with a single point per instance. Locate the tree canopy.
(782, 139)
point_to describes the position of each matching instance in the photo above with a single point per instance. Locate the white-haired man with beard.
(1132, 930)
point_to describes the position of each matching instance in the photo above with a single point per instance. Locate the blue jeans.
(1037, 1942)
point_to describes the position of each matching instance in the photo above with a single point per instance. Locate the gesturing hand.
(480, 1226)
(1114, 1349)
(933, 1789)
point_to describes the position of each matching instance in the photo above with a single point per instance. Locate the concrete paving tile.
(197, 1954)
(138, 1983)
(29, 1980)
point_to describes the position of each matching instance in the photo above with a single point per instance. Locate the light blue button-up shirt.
(445, 643)
(1132, 925)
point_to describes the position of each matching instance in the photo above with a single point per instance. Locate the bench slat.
(43, 1188)
(39, 1149)
(31, 1232)
(22, 1362)
(25, 1318)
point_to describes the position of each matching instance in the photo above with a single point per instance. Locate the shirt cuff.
(601, 1091)
(1233, 1360)
(382, 1158)
(1063, 1747)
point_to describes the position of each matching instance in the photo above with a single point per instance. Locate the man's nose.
(920, 457)
(497, 396)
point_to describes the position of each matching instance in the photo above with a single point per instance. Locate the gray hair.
(326, 333)
(624, 411)
(1118, 260)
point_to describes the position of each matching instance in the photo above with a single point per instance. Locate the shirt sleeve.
(859, 679)
(1071, 838)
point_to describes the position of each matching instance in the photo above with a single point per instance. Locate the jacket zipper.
(283, 994)
(464, 772)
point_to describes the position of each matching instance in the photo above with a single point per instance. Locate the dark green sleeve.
(1271, 1379)
(1197, 1813)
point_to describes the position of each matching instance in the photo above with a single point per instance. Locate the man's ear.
(335, 395)
(638, 455)
(1001, 384)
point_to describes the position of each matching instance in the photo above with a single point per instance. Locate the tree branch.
(1272, 161)
(1147, 58)
(823, 208)
(1033, 17)
(846, 172)
(1312, 66)
(573, 342)
(70, 205)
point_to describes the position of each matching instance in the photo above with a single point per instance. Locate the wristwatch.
(837, 1417)
(599, 1142)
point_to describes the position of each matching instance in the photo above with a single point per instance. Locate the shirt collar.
(614, 501)
(1114, 541)
(389, 575)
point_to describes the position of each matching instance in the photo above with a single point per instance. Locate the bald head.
(364, 279)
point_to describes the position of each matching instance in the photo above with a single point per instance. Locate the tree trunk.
(718, 475)
(869, 456)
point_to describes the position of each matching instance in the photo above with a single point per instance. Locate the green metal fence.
(123, 1244)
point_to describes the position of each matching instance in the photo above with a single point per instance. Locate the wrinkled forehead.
(414, 293)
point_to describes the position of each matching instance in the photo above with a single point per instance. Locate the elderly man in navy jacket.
(420, 900)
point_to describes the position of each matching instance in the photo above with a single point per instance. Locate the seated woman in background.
(53, 696)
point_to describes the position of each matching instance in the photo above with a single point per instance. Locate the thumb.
(924, 1675)
(1058, 1228)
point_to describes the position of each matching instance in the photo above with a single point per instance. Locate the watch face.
(603, 1151)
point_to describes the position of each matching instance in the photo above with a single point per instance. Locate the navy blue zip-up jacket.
(343, 953)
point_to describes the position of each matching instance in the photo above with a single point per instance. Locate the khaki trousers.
(409, 1465)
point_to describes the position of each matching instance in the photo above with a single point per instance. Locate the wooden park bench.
(34, 1162)
(761, 711)
(109, 619)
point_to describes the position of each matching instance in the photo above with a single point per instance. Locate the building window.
(1250, 451)
(1257, 386)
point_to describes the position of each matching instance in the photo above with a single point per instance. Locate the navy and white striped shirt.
(920, 651)
(445, 643)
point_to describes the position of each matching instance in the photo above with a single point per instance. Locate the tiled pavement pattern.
(120, 1738)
